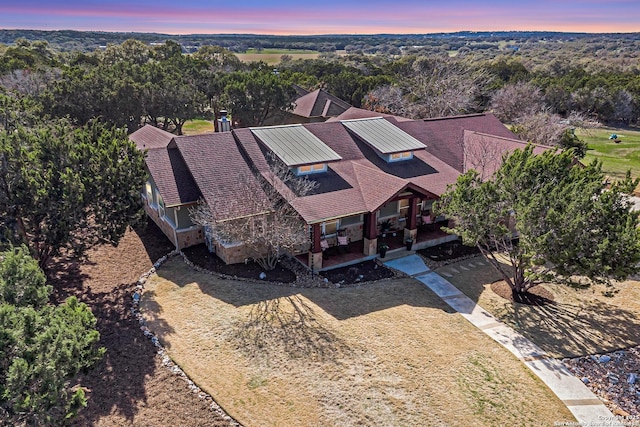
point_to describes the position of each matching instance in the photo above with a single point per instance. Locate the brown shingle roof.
(360, 113)
(484, 152)
(360, 182)
(444, 137)
(149, 137)
(171, 176)
(220, 172)
(319, 103)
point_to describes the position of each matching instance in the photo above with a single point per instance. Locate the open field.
(387, 353)
(197, 126)
(272, 56)
(581, 322)
(616, 158)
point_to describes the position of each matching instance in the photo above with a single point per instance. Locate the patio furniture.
(324, 245)
(428, 221)
(343, 243)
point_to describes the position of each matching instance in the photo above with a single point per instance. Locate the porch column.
(370, 233)
(315, 254)
(411, 231)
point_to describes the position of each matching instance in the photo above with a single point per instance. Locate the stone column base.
(315, 261)
(370, 246)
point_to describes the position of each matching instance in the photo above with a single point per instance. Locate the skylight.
(295, 145)
(383, 136)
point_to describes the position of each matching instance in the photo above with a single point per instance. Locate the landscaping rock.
(602, 374)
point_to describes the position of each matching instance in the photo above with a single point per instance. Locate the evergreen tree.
(546, 218)
(41, 346)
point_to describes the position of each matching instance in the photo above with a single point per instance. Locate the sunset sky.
(321, 17)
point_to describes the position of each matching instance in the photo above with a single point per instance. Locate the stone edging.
(161, 351)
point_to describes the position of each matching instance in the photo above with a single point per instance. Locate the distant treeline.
(68, 40)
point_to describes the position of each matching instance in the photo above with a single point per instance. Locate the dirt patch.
(129, 386)
(200, 256)
(537, 295)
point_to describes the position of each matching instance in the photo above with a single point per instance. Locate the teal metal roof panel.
(295, 145)
(382, 135)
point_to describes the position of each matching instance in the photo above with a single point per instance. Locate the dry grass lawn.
(384, 354)
(581, 322)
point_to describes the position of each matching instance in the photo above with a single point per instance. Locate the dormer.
(389, 142)
(302, 152)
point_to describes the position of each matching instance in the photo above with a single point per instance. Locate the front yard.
(386, 353)
(579, 322)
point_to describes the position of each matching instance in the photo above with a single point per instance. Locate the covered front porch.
(341, 256)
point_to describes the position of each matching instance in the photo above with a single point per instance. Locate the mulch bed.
(448, 252)
(366, 271)
(129, 386)
(537, 295)
(200, 256)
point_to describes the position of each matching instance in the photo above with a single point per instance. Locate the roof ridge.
(433, 119)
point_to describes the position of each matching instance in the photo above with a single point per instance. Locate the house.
(377, 177)
(310, 107)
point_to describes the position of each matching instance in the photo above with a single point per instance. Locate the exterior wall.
(184, 221)
(189, 236)
(231, 254)
(182, 237)
(166, 228)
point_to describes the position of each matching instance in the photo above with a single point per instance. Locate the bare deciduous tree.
(516, 100)
(550, 129)
(274, 227)
(484, 156)
(432, 88)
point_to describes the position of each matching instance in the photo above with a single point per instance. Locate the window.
(396, 157)
(404, 207)
(330, 227)
(148, 192)
(350, 220)
(160, 206)
(316, 168)
(389, 209)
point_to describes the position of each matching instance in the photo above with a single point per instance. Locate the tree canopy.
(67, 188)
(41, 346)
(552, 218)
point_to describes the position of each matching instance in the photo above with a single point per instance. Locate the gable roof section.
(171, 176)
(149, 137)
(445, 135)
(295, 145)
(484, 152)
(221, 173)
(319, 103)
(382, 135)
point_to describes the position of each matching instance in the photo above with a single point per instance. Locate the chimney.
(222, 123)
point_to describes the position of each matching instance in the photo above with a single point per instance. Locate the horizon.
(322, 34)
(333, 17)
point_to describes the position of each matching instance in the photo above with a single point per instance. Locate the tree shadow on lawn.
(568, 330)
(281, 320)
(287, 325)
(341, 303)
(156, 244)
(561, 329)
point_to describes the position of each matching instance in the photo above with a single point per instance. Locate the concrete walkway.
(583, 404)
